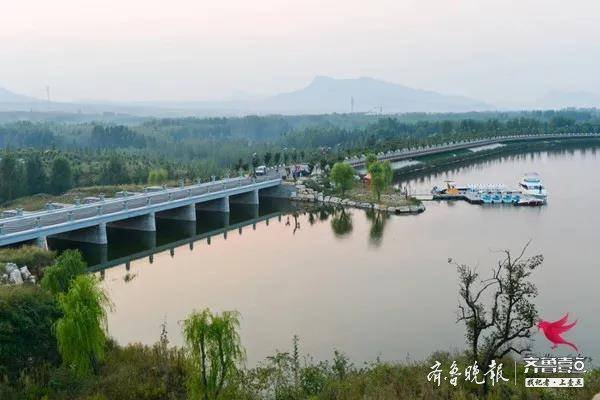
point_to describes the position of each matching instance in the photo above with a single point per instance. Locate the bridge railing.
(116, 204)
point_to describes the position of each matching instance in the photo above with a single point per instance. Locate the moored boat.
(531, 186)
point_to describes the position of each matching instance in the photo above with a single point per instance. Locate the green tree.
(11, 177)
(158, 176)
(37, 180)
(277, 158)
(214, 350)
(115, 171)
(58, 277)
(268, 157)
(370, 159)
(27, 316)
(61, 178)
(82, 332)
(381, 177)
(342, 174)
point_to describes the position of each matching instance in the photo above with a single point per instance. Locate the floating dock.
(485, 194)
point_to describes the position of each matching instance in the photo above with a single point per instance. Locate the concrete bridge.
(137, 211)
(406, 154)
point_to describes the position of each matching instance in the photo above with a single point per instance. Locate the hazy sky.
(182, 50)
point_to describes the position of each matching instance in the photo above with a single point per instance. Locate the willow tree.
(58, 277)
(82, 331)
(214, 352)
(381, 177)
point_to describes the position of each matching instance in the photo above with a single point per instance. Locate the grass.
(34, 257)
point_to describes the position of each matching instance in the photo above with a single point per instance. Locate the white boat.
(531, 186)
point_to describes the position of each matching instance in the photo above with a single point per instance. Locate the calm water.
(367, 285)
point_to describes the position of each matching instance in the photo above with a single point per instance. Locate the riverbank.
(442, 161)
(358, 197)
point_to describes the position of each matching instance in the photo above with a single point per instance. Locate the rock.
(15, 277)
(25, 274)
(10, 267)
(327, 199)
(320, 198)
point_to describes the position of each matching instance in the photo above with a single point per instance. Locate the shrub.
(27, 315)
(58, 277)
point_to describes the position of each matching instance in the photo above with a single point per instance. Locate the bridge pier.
(246, 198)
(144, 223)
(185, 213)
(220, 205)
(94, 234)
(41, 242)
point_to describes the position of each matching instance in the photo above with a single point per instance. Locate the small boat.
(531, 186)
(507, 198)
(486, 198)
(497, 198)
(516, 198)
(530, 201)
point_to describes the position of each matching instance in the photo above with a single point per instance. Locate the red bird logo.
(554, 330)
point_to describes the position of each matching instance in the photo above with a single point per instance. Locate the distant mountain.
(6, 96)
(325, 94)
(559, 99)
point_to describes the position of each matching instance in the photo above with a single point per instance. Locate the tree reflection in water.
(378, 220)
(341, 222)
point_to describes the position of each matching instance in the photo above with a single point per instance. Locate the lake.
(367, 285)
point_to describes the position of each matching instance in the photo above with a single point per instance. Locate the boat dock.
(484, 194)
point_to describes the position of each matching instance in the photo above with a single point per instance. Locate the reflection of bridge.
(406, 154)
(88, 222)
(154, 248)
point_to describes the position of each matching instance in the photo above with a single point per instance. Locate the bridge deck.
(42, 223)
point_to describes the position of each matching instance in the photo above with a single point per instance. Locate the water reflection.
(341, 222)
(378, 220)
(126, 246)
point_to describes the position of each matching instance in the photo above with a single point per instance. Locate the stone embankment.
(309, 195)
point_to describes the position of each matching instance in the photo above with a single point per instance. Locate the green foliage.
(115, 172)
(342, 174)
(61, 178)
(370, 159)
(57, 278)
(27, 315)
(35, 258)
(158, 176)
(12, 177)
(381, 177)
(81, 332)
(214, 352)
(37, 180)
